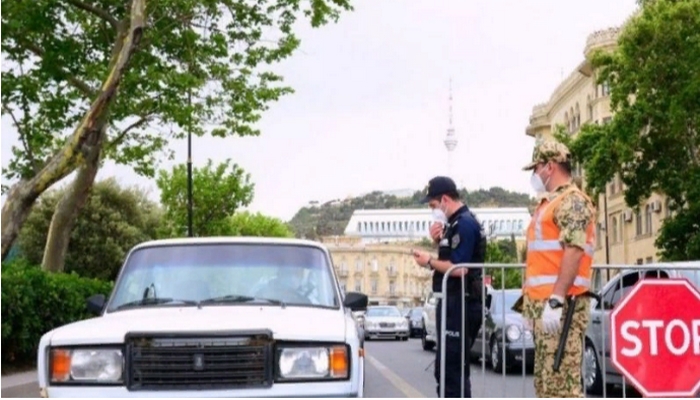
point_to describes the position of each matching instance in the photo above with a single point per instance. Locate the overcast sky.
(370, 109)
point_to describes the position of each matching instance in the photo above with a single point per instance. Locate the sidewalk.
(19, 379)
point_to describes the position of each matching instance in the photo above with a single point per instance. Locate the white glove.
(551, 318)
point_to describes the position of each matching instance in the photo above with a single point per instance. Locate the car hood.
(289, 323)
(375, 320)
(510, 319)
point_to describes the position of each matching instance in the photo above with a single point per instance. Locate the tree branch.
(72, 79)
(96, 11)
(120, 137)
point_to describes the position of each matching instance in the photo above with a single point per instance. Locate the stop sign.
(656, 337)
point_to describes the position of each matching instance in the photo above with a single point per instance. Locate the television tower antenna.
(450, 140)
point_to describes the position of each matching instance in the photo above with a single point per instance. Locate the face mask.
(439, 215)
(537, 184)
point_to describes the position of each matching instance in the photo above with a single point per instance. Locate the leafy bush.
(113, 220)
(35, 301)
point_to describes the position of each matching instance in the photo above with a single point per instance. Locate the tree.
(652, 141)
(247, 224)
(68, 57)
(217, 192)
(113, 220)
(510, 278)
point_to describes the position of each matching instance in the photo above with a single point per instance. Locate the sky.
(370, 108)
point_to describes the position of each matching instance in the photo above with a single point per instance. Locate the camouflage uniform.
(573, 216)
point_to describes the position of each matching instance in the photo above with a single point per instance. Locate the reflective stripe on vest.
(540, 278)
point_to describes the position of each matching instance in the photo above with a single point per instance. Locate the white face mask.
(537, 184)
(439, 215)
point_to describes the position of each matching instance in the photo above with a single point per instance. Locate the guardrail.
(605, 360)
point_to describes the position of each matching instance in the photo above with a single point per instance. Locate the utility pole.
(607, 234)
(190, 233)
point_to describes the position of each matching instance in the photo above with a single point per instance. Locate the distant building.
(402, 225)
(386, 273)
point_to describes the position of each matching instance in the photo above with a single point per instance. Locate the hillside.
(331, 218)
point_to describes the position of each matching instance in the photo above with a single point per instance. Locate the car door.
(613, 293)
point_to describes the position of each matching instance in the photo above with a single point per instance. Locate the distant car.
(598, 329)
(385, 322)
(415, 321)
(503, 338)
(213, 317)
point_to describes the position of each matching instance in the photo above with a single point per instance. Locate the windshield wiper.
(234, 298)
(149, 301)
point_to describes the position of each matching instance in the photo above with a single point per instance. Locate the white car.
(213, 317)
(386, 322)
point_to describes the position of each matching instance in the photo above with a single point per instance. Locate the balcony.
(343, 273)
(393, 273)
(374, 272)
(359, 272)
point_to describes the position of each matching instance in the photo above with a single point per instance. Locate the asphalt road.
(397, 369)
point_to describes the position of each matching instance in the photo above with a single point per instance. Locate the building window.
(647, 219)
(358, 265)
(606, 88)
(392, 287)
(650, 260)
(343, 287)
(597, 235)
(640, 261)
(359, 226)
(358, 287)
(374, 286)
(375, 265)
(638, 221)
(615, 237)
(521, 225)
(667, 208)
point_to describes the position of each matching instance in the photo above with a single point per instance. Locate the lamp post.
(607, 245)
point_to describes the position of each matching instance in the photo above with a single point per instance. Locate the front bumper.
(285, 390)
(517, 356)
(378, 333)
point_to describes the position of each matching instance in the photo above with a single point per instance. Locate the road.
(400, 369)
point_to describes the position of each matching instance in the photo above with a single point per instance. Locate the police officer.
(561, 239)
(461, 240)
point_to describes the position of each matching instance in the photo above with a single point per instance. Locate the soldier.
(460, 239)
(558, 265)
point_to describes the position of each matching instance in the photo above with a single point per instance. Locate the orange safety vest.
(545, 253)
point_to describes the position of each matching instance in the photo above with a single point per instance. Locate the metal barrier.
(612, 282)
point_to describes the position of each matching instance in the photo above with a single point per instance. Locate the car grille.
(386, 324)
(179, 362)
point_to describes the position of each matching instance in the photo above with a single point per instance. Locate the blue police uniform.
(463, 241)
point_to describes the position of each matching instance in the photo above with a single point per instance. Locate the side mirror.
(96, 303)
(356, 301)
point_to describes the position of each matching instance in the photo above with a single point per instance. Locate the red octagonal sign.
(656, 337)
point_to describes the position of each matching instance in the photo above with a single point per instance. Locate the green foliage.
(503, 252)
(332, 217)
(35, 301)
(217, 192)
(249, 224)
(113, 220)
(653, 140)
(58, 54)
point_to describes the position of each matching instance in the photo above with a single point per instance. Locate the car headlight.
(322, 362)
(513, 332)
(86, 365)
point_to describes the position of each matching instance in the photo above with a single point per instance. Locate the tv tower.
(450, 140)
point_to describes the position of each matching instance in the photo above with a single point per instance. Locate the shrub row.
(35, 301)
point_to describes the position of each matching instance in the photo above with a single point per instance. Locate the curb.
(23, 378)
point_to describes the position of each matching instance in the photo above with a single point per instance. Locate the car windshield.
(383, 312)
(497, 302)
(692, 275)
(210, 274)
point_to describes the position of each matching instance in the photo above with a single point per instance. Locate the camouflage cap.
(546, 151)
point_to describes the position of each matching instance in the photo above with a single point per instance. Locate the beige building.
(578, 100)
(386, 273)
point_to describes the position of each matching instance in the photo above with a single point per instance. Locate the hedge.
(35, 301)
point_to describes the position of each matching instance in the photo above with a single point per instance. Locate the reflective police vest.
(545, 253)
